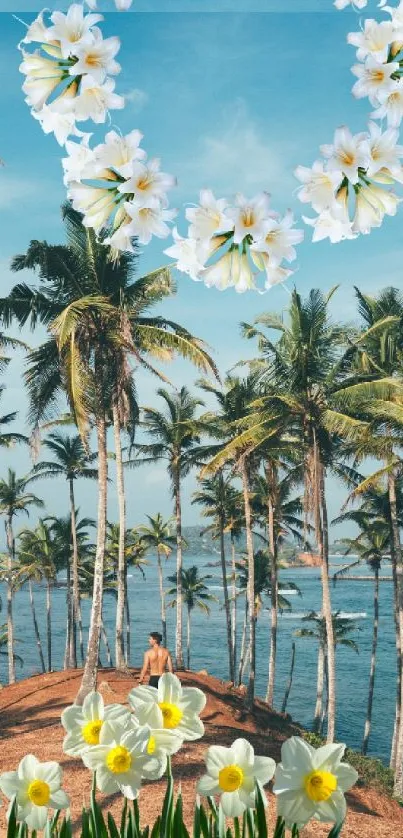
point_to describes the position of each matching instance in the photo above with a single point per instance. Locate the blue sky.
(231, 100)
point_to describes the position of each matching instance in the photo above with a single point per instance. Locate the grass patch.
(372, 772)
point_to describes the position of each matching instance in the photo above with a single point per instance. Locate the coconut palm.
(217, 497)
(175, 433)
(370, 546)
(96, 315)
(135, 557)
(4, 645)
(71, 461)
(342, 628)
(9, 438)
(195, 595)
(38, 561)
(14, 500)
(305, 374)
(157, 536)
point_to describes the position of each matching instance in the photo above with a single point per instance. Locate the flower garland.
(122, 195)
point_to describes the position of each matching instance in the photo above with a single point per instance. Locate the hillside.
(29, 723)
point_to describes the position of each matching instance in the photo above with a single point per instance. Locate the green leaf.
(167, 810)
(336, 831)
(279, 831)
(260, 812)
(12, 821)
(113, 830)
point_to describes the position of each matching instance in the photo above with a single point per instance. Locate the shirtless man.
(157, 660)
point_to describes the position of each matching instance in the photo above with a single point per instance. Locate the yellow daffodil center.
(91, 732)
(119, 760)
(39, 793)
(151, 745)
(320, 785)
(230, 778)
(171, 713)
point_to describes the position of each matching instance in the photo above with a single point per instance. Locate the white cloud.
(136, 98)
(237, 157)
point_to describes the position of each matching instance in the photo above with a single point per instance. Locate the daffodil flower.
(84, 724)
(310, 783)
(36, 786)
(170, 707)
(233, 773)
(121, 759)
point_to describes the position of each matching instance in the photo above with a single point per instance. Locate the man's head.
(155, 638)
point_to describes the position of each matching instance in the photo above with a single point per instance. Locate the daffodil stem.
(169, 767)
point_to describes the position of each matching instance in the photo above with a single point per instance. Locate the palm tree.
(96, 315)
(62, 531)
(71, 461)
(157, 536)
(4, 645)
(342, 627)
(135, 552)
(9, 438)
(217, 497)
(38, 561)
(303, 372)
(369, 546)
(175, 432)
(195, 595)
(14, 499)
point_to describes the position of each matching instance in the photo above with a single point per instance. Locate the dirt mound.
(30, 723)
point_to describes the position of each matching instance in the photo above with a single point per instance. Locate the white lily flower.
(348, 153)
(275, 274)
(121, 760)
(384, 150)
(121, 239)
(311, 783)
(373, 40)
(147, 182)
(38, 90)
(374, 78)
(119, 152)
(232, 773)
(396, 13)
(83, 725)
(189, 253)
(36, 66)
(37, 31)
(95, 203)
(95, 100)
(319, 186)
(170, 706)
(80, 161)
(123, 5)
(332, 223)
(36, 786)
(209, 217)
(390, 105)
(62, 125)
(279, 239)
(225, 272)
(97, 57)
(372, 204)
(148, 221)
(245, 280)
(249, 216)
(72, 29)
(357, 4)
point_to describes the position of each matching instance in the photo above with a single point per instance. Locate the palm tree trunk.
(243, 642)
(271, 480)
(289, 682)
(106, 644)
(128, 633)
(188, 638)
(49, 624)
(10, 624)
(398, 778)
(250, 694)
(398, 708)
(319, 688)
(162, 599)
(367, 729)
(121, 572)
(179, 595)
(89, 679)
(234, 609)
(76, 588)
(80, 631)
(68, 645)
(36, 627)
(326, 600)
(226, 597)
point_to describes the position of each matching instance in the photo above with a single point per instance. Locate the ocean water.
(208, 647)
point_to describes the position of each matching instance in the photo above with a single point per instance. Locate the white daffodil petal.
(346, 777)
(37, 817)
(295, 752)
(193, 699)
(59, 799)
(243, 753)
(71, 716)
(208, 786)
(9, 783)
(27, 767)
(295, 807)
(169, 740)
(263, 769)
(190, 728)
(232, 805)
(332, 810)
(93, 756)
(169, 689)
(287, 779)
(329, 756)
(218, 757)
(106, 782)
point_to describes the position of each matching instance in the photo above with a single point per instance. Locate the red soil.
(30, 723)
